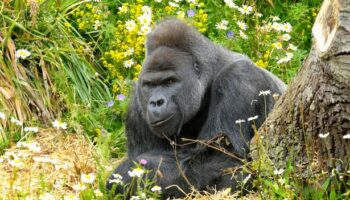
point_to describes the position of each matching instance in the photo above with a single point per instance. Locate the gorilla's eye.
(148, 84)
(169, 81)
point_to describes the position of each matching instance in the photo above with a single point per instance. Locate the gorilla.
(186, 115)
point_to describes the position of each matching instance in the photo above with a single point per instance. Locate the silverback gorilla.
(188, 97)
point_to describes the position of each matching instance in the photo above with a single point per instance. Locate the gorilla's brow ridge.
(163, 58)
(156, 77)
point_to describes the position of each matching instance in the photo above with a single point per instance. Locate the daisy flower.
(88, 178)
(246, 10)
(22, 53)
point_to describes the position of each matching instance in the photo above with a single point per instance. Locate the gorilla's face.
(170, 91)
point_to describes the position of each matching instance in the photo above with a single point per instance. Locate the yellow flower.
(124, 8)
(98, 193)
(261, 64)
(71, 197)
(98, 131)
(277, 45)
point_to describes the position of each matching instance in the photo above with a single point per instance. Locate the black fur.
(203, 89)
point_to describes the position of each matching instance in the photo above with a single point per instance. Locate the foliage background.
(85, 55)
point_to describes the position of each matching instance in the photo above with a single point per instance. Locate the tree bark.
(310, 123)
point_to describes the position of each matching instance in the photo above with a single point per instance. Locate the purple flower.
(110, 103)
(190, 13)
(120, 97)
(230, 34)
(143, 162)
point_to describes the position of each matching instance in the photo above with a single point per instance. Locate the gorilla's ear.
(197, 70)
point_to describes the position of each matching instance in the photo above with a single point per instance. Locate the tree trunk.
(310, 123)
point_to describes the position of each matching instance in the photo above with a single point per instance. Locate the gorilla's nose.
(157, 101)
(157, 108)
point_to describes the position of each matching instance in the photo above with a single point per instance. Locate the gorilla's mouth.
(162, 121)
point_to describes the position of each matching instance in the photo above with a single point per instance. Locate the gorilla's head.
(169, 89)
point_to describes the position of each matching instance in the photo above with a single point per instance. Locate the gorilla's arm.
(162, 169)
(234, 96)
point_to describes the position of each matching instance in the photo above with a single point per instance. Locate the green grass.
(59, 74)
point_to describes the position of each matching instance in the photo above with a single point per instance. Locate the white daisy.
(252, 118)
(292, 47)
(264, 92)
(97, 24)
(276, 26)
(286, 27)
(145, 30)
(243, 35)
(277, 45)
(246, 10)
(347, 136)
(242, 25)
(79, 187)
(275, 18)
(59, 125)
(2, 115)
(240, 121)
(71, 197)
(129, 63)
(145, 19)
(130, 25)
(88, 178)
(22, 53)
(137, 172)
(289, 55)
(222, 25)
(258, 15)
(34, 147)
(230, 4)
(323, 135)
(286, 37)
(156, 189)
(16, 121)
(278, 171)
(98, 193)
(172, 4)
(146, 10)
(31, 129)
(129, 52)
(47, 196)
